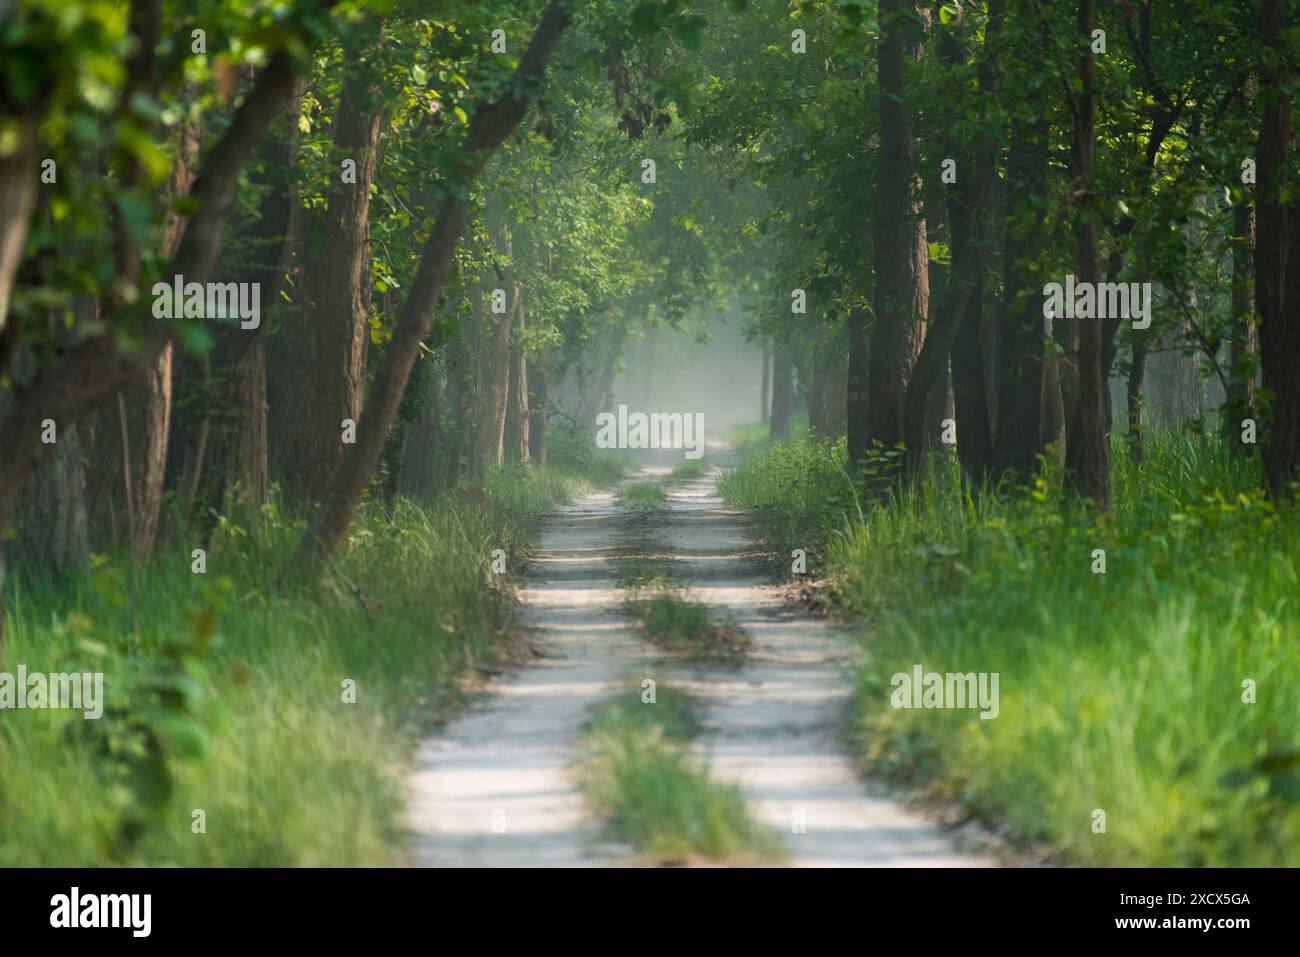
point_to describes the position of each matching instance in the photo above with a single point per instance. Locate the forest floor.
(502, 785)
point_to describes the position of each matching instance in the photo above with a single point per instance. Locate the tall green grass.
(640, 776)
(668, 617)
(1120, 692)
(643, 496)
(229, 696)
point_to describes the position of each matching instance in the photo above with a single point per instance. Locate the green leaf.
(688, 30)
(646, 19)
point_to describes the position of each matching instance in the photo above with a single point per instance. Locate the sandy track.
(773, 723)
(510, 752)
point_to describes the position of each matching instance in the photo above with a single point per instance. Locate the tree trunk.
(1093, 476)
(460, 405)
(50, 518)
(782, 391)
(342, 320)
(421, 460)
(1051, 424)
(765, 388)
(538, 400)
(967, 215)
(817, 392)
(19, 182)
(901, 251)
(1244, 346)
(517, 416)
(291, 348)
(855, 389)
(1137, 372)
(835, 386)
(489, 127)
(1020, 372)
(232, 470)
(51, 537)
(494, 375)
(148, 404)
(939, 406)
(969, 391)
(1272, 256)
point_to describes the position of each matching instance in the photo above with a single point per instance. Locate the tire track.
(774, 721)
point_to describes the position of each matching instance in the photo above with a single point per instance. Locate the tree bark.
(765, 387)
(342, 320)
(538, 400)
(834, 388)
(421, 459)
(19, 181)
(967, 215)
(856, 399)
(782, 391)
(460, 405)
(1020, 372)
(901, 251)
(227, 452)
(149, 402)
(1244, 346)
(1272, 254)
(494, 377)
(1133, 392)
(517, 416)
(969, 391)
(816, 391)
(290, 348)
(52, 535)
(1093, 476)
(52, 539)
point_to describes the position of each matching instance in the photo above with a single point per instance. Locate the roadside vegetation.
(640, 775)
(1164, 691)
(229, 695)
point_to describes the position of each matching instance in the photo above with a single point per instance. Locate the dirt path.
(506, 760)
(774, 721)
(496, 788)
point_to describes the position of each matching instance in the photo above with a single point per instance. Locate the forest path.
(771, 724)
(507, 760)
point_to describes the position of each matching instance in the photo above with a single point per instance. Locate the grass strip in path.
(639, 774)
(642, 496)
